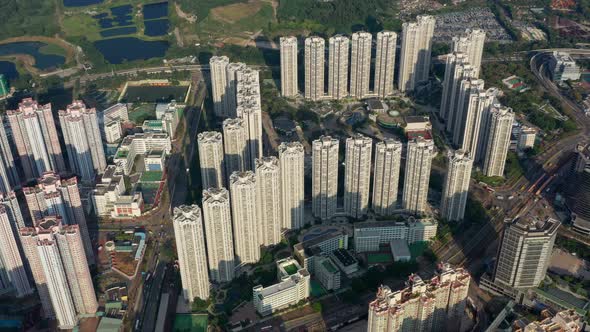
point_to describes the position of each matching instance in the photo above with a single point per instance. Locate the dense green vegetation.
(27, 18)
(201, 8)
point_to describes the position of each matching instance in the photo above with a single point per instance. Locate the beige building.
(288, 66)
(467, 110)
(211, 155)
(357, 175)
(217, 67)
(471, 43)
(525, 252)
(456, 186)
(415, 52)
(385, 63)
(360, 64)
(434, 305)
(338, 67)
(218, 234)
(246, 222)
(250, 110)
(324, 177)
(388, 155)
(476, 108)
(291, 159)
(454, 73)
(231, 75)
(499, 122)
(314, 68)
(189, 233)
(268, 186)
(417, 175)
(527, 138)
(11, 259)
(235, 147)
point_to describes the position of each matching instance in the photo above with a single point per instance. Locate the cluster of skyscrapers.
(49, 239)
(349, 63)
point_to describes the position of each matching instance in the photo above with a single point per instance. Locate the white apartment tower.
(477, 109)
(524, 252)
(210, 144)
(388, 155)
(456, 186)
(35, 138)
(415, 52)
(500, 120)
(56, 196)
(56, 256)
(245, 217)
(324, 177)
(360, 64)
(417, 175)
(428, 306)
(471, 43)
(10, 255)
(288, 66)
(467, 112)
(217, 67)
(218, 234)
(79, 126)
(268, 197)
(231, 76)
(291, 159)
(385, 63)
(338, 67)
(9, 178)
(13, 210)
(357, 175)
(189, 233)
(454, 69)
(250, 110)
(235, 146)
(314, 68)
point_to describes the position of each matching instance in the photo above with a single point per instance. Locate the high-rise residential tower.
(454, 69)
(250, 110)
(211, 159)
(357, 175)
(231, 76)
(385, 63)
(464, 73)
(246, 222)
(388, 155)
(56, 196)
(9, 178)
(456, 186)
(467, 113)
(11, 257)
(324, 177)
(218, 234)
(429, 306)
(314, 68)
(360, 64)
(288, 66)
(235, 146)
(35, 138)
(471, 43)
(13, 210)
(338, 67)
(217, 67)
(415, 52)
(417, 175)
(499, 128)
(268, 199)
(475, 110)
(524, 252)
(79, 126)
(56, 255)
(291, 159)
(189, 233)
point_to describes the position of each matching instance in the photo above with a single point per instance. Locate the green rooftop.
(291, 269)
(329, 266)
(151, 176)
(152, 123)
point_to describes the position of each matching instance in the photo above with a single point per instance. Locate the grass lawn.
(191, 322)
(417, 248)
(379, 258)
(316, 288)
(235, 12)
(224, 23)
(142, 112)
(291, 269)
(81, 25)
(53, 49)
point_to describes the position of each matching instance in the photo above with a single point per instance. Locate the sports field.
(191, 323)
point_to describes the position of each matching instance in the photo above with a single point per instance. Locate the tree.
(317, 307)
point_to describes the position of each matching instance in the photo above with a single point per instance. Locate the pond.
(42, 61)
(118, 32)
(118, 50)
(8, 69)
(156, 27)
(122, 10)
(79, 3)
(155, 10)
